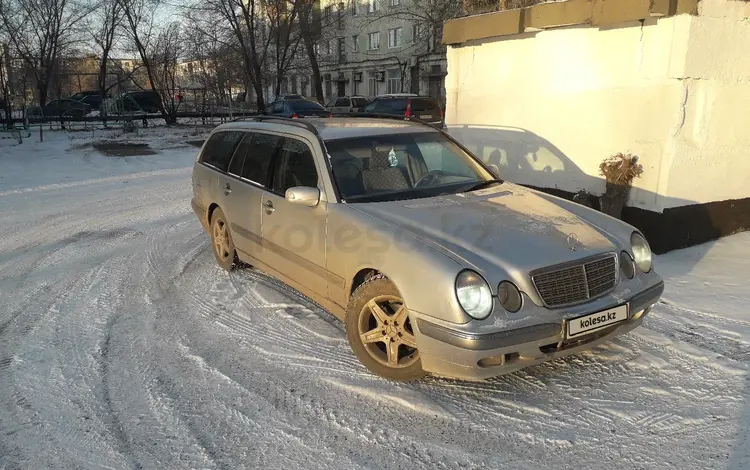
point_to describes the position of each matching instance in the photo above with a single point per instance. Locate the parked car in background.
(83, 94)
(296, 109)
(348, 104)
(60, 108)
(289, 96)
(434, 264)
(95, 101)
(135, 101)
(403, 104)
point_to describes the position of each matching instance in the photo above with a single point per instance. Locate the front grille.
(577, 282)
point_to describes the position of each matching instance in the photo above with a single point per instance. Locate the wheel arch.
(361, 277)
(210, 212)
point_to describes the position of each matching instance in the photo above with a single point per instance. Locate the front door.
(341, 88)
(243, 187)
(294, 235)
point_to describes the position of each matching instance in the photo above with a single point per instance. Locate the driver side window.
(437, 157)
(295, 167)
(542, 159)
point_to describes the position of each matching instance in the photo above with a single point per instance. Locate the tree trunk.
(41, 86)
(102, 78)
(317, 83)
(307, 37)
(614, 199)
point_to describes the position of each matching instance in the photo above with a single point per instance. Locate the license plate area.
(586, 324)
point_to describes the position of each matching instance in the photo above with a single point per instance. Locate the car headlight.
(473, 294)
(641, 252)
(509, 296)
(626, 265)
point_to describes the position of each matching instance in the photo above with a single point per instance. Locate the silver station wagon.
(434, 263)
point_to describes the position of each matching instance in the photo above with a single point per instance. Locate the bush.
(619, 171)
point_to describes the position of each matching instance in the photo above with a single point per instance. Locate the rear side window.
(259, 152)
(342, 102)
(359, 101)
(424, 105)
(305, 105)
(219, 149)
(388, 106)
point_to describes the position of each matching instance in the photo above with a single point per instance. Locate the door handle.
(268, 206)
(227, 189)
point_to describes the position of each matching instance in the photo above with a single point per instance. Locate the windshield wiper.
(482, 185)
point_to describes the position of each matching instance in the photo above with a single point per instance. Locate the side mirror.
(303, 195)
(495, 169)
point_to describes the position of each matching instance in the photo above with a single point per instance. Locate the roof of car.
(334, 128)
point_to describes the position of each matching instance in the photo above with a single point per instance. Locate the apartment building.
(374, 47)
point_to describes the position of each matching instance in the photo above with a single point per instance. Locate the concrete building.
(550, 91)
(374, 47)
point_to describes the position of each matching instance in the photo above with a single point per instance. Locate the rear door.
(427, 110)
(294, 235)
(358, 104)
(247, 178)
(209, 177)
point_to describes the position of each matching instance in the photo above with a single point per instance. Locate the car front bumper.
(460, 354)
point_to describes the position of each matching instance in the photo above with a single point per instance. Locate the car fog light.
(509, 296)
(626, 265)
(473, 294)
(641, 252)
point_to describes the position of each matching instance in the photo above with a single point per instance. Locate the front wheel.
(221, 240)
(380, 332)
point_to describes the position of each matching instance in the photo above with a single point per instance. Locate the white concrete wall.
(675, 91)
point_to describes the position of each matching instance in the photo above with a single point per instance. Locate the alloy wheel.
(386, 332)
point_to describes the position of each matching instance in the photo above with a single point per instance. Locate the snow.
(123, 345)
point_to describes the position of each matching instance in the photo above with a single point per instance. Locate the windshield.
(403, 166)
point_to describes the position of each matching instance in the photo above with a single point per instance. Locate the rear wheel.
(221, 240)
(380, 332)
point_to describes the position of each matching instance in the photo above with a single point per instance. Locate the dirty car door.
(248, 173)
(294, 234)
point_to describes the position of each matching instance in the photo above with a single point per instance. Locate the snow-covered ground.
(122, 345)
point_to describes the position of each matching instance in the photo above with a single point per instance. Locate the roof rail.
(286, 120)
(395, 117)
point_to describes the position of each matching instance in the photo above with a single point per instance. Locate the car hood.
(507, 227)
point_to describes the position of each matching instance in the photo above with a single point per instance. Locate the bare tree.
(214, 53)
(104, 28)
(40, 32)
(164, 56)
(139, 18)
(5, 95)
(285, 35)
(309, 19)
(247, 21)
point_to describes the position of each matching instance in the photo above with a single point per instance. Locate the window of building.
(394, 37)
(353, 6)
(327, 11)
(393, 81)
(373, 41)
(395, 3)
(372, 84)
(355, 43)
(329, 46)
(416, 32)
(372, 6)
